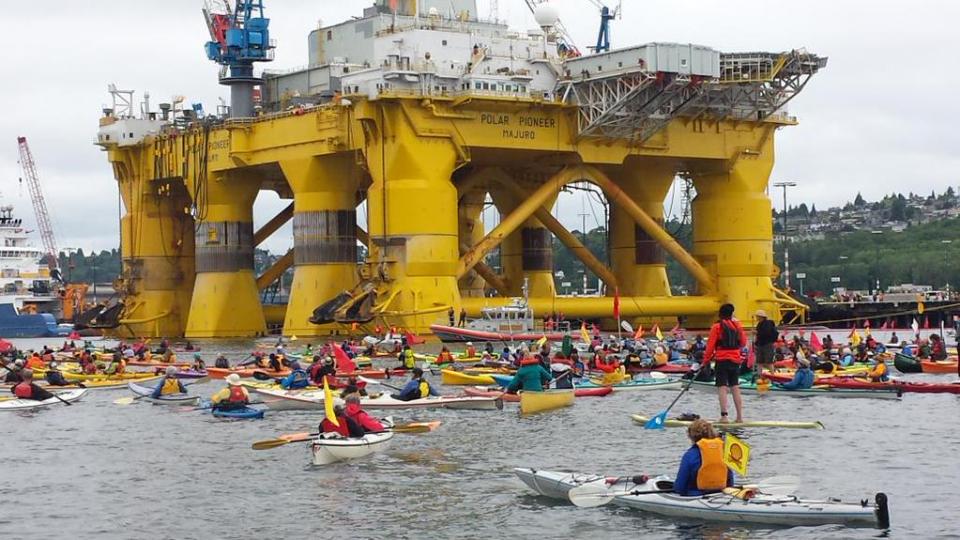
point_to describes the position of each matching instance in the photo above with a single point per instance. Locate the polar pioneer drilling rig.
(419, 113)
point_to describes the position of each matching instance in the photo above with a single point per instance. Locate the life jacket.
(424, 388)
(23, 391)
(712, 475)
(170, 386)
(470, 352)
(530, 360)
(326, 426)
(729, 336)
(295, 380)
(409, 361)
(444, 357)
(878, 373)
(237, 395)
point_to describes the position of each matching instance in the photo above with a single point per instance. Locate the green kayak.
(674, 422)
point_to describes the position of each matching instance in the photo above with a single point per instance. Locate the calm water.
(99, 470)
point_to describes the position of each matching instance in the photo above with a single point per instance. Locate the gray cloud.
(877, 120)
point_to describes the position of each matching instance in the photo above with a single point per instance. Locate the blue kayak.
(246, 412)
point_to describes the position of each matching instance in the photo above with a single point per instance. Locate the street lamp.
(946, 244)
(786, 250)
(876, 259)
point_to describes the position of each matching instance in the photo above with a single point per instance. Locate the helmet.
(233, 379)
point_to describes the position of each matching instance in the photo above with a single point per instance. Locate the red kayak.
(668, 368)
(861, 384)
(477, 391)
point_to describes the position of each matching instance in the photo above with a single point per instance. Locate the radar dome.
(546, 15)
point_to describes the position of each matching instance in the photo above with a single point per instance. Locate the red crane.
(29, 169)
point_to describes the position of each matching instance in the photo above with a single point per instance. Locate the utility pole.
(786, 250)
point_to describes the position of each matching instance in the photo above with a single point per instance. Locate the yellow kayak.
(104, 376)
(548, 400)
(449, 376)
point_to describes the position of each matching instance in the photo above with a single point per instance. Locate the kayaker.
(894, 340)
(846, 360)
(198, 363)
(169, 385)
(233, 396)
(803, 377)
(13, 372)
(26, 389)
(407, 360)
(470, 351)
(360, 416)
(54, 377)
(531, 377)
(445, 357)
(296, 380)
(416, 388)
(347, 428)
(274, 363)
(879, 372)
(766, 336)
(35, 362)
(117, 366)
(702, 469)
(938, 349)
(724, 343)
(222, 362)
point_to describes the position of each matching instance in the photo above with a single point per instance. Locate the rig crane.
(566, 44)
(29, 168)
(239, 36)
(606, 15)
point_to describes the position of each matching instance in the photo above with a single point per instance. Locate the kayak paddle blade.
(779, 485)
(123, 401)
(591, 494)
(656, 422)
(271, 443)
(627, 327)
(416, 427)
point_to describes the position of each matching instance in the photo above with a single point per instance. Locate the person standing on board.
(766, 336)
(726, 340)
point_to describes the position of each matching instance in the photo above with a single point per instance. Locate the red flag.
(616, 303)
(639, 333)
(595, 330)
(344, 363)
(412, 339)
(867, 324)
(926, 322)
(675, 328)
(815, 342)
(884, 325)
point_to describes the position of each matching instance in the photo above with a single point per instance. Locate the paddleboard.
(673, 422)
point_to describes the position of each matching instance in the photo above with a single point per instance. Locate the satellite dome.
(546, 15)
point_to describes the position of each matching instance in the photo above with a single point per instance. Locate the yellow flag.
(583, 334)
(921, 308)
(541, 341)
(658, 333)
(736, 454)
(855, 338)
(328, 404)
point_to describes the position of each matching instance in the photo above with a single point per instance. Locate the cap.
(761, 313)
(171, 370)
(233, 379)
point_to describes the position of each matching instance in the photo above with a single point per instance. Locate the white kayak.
(761, 508)
(774, 390)
(28, 404)
(143, 394)
(297, 400)
(331, 448)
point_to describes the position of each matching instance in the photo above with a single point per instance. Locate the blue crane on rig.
(606, 15)
(566, 44)
(239, 36)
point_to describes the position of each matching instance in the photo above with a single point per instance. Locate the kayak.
(751, 389)
(546, 400)
(174, 399)
(676, 422)
(655, 495)
(188, 373)
(939, 366)
(99, 384)
(451, 377)
(221, 373)
(332, 448)
(635, 384)
(907, 364)
(244, 413)
(297, 400)
(30, 404)
(514, 398)
(903, 386)
(74, 377)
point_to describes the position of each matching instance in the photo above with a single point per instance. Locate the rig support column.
(226, 302)
(412, 213)
(158, 256)
(324, 236)
(470, 211)
(638, 261)
(527, 253)
(733, 233)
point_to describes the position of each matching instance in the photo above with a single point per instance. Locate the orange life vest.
(237, 395)
(712, 475)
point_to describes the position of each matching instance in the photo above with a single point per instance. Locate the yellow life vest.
(170, 386)
(712, 475)
(424, 389)
(409, 361)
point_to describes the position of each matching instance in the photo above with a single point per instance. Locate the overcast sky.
(877, 120)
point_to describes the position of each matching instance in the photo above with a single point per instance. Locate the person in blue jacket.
(702, 469)
(295, 380)
(416, 388)
(803, 378)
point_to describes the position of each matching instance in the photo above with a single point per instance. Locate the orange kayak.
(931, 366)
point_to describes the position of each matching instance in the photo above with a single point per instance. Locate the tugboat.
(27, 293)
(512, 322)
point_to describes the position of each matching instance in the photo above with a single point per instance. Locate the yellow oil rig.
(420, 113)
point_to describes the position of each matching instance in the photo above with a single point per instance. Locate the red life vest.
(237, 395)
(326, 426)
(23, 391)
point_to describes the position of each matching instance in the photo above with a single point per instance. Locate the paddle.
(65, 402)
(283, 440)
(381, 383)
(598, 493)
(657, 421)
